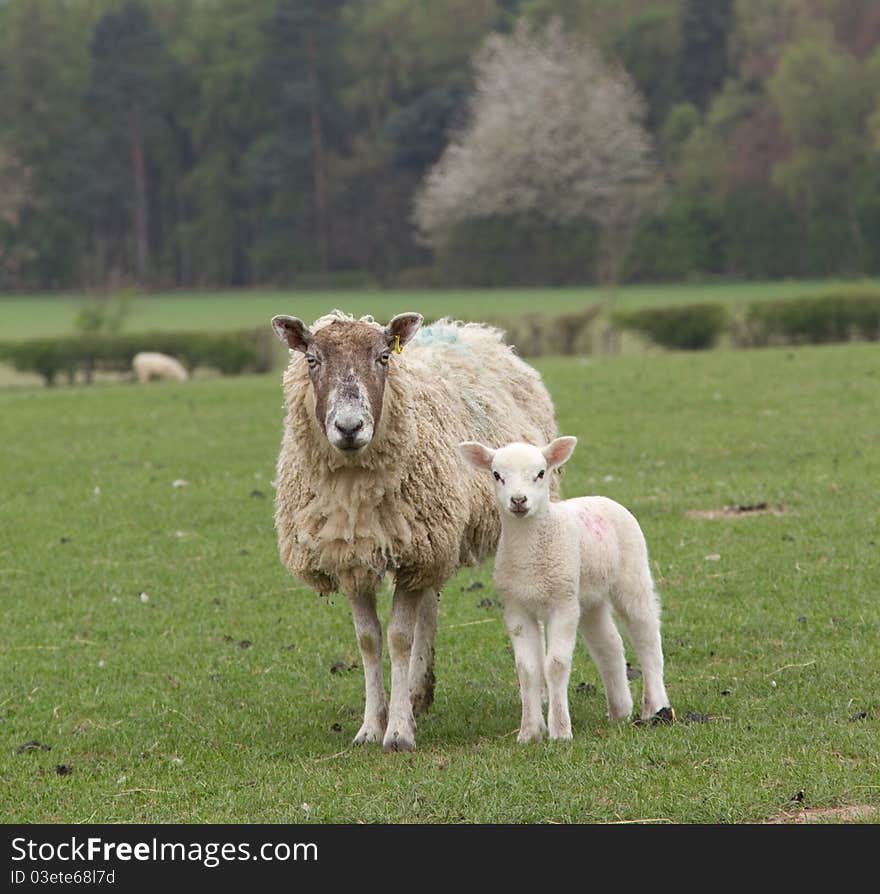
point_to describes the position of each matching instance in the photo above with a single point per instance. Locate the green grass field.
(213, 699)
(37, 315)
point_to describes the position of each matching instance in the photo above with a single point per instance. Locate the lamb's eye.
(497, 477)
(312, 360)
(540, 474)
(384, 357)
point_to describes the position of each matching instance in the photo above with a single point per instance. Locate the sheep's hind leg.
(421, 662)
(606, 647)
(400, 735)
(369, 636)
(643, 626)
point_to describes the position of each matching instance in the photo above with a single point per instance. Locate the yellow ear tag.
(397, 348)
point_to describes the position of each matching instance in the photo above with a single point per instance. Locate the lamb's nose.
(518, 502)
(349, 430)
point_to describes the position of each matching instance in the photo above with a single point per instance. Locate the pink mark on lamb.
(595, 524)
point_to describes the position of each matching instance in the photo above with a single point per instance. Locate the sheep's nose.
(349, 430)
(518, 502)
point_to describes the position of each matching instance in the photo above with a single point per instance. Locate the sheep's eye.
(498, 477)
(541, 474)
(312, 360)
(384, 357)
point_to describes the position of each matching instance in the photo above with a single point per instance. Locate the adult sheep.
(370, 480)
(149, 365)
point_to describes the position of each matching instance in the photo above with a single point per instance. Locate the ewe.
(369, 481)
(566, 565)
(149, 365)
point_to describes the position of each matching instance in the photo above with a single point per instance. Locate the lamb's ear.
(557, 452)
(404, 327)
(293, 332)
(477, 455)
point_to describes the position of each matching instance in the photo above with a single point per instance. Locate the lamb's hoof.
(399, 740)
(422, 696)
(534, 734)
(561, 735)
(620, 713)
(371, 731)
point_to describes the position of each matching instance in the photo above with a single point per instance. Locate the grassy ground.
(37, 315)
(211, 699)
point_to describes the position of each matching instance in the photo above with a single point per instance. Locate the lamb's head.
(521, 472)
(348, 363)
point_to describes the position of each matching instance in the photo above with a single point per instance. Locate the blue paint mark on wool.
(431, 335)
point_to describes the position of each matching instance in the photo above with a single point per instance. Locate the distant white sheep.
(567, 565)
(149, 365)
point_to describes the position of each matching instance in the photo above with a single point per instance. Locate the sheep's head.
(521, 472)
(348, 363)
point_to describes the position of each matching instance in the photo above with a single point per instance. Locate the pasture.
(33, 316)
(171, 670)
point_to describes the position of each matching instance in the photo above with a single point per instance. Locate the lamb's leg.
(528, 650)
(562, 627)
(605, 645)
(369, 636)
(400, 734)
(421, 662)
(643, 626)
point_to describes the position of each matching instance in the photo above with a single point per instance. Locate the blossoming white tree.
(554, 132)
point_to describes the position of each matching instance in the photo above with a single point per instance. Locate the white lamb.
(149, 365)
(567, 565)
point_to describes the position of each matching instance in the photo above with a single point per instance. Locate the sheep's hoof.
(422, 696)
(561, 735)
(371, 731)
(399, 740)
(534, 734)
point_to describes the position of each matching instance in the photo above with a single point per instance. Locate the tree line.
(190, 143)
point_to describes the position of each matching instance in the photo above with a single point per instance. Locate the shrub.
(822, 319)
(690, 327)
(536, 334)
(104, 315)
(232, 353)
(45, 356)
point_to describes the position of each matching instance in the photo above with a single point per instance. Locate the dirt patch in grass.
(748, 510)
(849, 814)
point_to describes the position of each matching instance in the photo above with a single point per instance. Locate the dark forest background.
(220, 143)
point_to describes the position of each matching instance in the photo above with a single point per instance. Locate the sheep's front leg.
(562, 627)
(421, 662)
(369, 637)
(528, 650)
(400, 734)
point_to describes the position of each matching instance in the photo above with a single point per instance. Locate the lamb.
(368, 481)
(567, 565)
(149, 365)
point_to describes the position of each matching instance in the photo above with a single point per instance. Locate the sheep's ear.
(477, 455)
(403, 327)
(293, 332)
(557, 452)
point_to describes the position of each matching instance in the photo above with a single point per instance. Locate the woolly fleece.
(408, 504)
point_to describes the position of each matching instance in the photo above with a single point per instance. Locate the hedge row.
(536, 334)
(838, 316)
(691, 327)
(832, 317)
(823, 319)
(231, 353)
